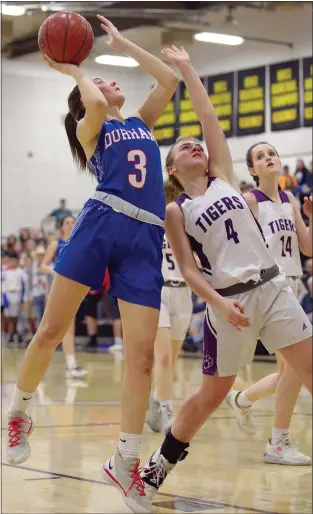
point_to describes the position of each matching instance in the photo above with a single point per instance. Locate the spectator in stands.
(39, 285)
(61, 212)
(301, 173)
(13, 292)
(286, 180)
(5, 264)
(245, 187)
(25, 236)
(11, 244)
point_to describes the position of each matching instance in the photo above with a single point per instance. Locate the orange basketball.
(66, 37)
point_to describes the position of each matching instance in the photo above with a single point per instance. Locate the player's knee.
(49, 335)
(165, 360)
(142, 362)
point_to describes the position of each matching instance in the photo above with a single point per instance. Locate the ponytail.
(76, 113)
(172, 189)
(76, 148)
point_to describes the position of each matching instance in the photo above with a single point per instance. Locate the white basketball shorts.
(276, 317)
(176, 311)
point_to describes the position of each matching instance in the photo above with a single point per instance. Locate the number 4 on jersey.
(230, 231)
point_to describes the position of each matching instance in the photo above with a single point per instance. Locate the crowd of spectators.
(22, 254)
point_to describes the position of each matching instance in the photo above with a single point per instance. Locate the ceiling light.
(116, 60)
(13, 10)
(221, 39)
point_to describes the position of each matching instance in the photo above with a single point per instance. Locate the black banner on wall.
(188, 124)
(250, 115)
(221, 91)
(307, 91)
(165, 129)
(284, 95)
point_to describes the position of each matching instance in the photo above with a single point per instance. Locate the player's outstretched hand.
(233, 312)
(176, 56)
(111, 30)
(307, 207)
(67, 69)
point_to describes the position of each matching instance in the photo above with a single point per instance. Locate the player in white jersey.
(175, 316)
(284, 231)
(249, 296)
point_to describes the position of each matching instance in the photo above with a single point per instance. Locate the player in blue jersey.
(121, 228)
(52, 254)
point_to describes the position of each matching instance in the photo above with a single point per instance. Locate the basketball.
(66, 37)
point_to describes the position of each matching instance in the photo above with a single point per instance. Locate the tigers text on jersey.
(278, 224)
(170, 269)
(127, 164)
(225, 235)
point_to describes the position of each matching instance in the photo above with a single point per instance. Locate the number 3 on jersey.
(137, 180)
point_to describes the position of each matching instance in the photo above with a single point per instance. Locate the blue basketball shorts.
(130, 249)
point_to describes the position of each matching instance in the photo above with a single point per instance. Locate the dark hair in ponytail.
(76, 113)
(249, 160)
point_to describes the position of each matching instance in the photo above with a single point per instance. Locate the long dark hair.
(249, 160)
(76, 113)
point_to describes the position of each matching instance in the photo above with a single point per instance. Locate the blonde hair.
(172, 187)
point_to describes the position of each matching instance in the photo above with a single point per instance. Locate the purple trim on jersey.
(261, 197)
(184, 196)
(209, 360)
(284, 197)
(181, 199)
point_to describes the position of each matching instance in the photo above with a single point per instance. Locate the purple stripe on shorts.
(209, 361)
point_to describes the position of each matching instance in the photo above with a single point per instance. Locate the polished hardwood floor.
(77, 425)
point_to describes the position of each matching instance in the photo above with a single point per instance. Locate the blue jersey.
(61, 244)
(127, 164)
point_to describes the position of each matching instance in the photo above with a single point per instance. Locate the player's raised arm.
(220, 162)
(167, 79)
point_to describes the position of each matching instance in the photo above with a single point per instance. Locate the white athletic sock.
(167, 403)
(242, 400)
(20, 400)
(118, 341)
(155, 395)
(70, 361)
(278, 434)
(129, 445)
